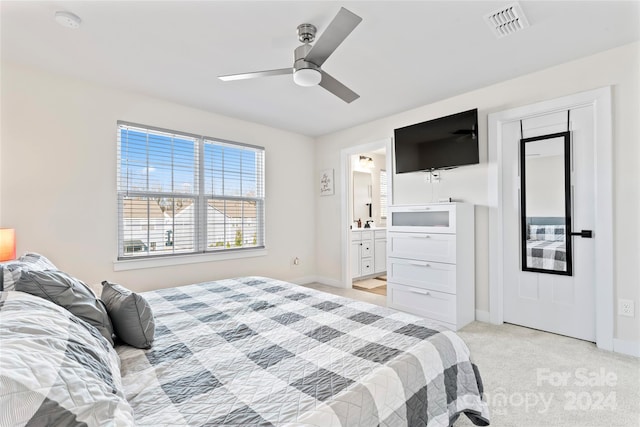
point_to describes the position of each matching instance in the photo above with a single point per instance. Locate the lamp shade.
(7, 244)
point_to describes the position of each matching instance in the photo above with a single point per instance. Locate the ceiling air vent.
(507, 20)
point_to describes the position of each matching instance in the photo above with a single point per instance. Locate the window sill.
(135, 264)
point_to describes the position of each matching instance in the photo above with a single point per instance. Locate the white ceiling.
(402, 55)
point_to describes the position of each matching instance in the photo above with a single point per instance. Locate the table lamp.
(7, 244)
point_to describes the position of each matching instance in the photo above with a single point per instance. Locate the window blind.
(180, 193)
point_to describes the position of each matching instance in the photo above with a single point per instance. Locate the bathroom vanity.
(368, 252)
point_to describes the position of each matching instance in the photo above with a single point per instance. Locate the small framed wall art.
(326, 182)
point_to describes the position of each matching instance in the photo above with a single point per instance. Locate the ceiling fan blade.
(338, 30)
(337, 88)
(256, 74)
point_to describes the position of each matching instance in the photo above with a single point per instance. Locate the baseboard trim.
(329, 282)
(317, 279)
(483, 316)
(630, 348)
(305, 280)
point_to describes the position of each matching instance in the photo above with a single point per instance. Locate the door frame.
(346, 205)
(600, 100)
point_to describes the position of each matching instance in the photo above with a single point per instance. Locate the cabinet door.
(355, 259)
(380, 256)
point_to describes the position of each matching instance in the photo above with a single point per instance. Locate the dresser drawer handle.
(424, 236)
(418, 263)
(416, 291)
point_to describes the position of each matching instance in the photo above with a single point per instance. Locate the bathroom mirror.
(362, 197)
(545, 195)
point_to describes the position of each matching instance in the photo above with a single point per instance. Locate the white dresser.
(431, 262)
(368, 251)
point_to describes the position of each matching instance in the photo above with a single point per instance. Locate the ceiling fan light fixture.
(307, 77)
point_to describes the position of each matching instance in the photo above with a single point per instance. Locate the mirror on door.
(545, 189)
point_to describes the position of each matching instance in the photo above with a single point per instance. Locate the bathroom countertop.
(368, 229)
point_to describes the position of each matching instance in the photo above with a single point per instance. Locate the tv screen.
(442, 143)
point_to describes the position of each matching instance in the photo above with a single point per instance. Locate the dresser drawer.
(436, 218)
(431, 304)
(423, 274)
(380, 234)
(423, 246)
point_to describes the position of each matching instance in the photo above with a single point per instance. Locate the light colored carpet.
(537, 379)
(351, 293)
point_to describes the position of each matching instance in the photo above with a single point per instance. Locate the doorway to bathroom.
(366, 193)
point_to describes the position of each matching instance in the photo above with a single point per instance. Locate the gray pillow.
(10, 271)
(130, 314)
(70, 293)
(37, 262)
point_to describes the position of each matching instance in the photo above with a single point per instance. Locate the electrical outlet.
(625, 307)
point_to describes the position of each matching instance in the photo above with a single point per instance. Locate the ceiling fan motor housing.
(305, 73)
(299, 56)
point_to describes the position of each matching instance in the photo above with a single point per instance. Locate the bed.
(546, 244)
(249, 351)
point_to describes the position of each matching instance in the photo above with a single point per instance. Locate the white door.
(551, 302)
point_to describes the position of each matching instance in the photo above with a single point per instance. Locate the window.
(383, 193)
(184, 194)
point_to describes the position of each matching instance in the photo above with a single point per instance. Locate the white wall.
(618, 67)
(58, 177)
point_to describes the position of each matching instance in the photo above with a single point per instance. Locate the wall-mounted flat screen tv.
(442, 143)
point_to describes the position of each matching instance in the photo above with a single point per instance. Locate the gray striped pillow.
(130, 315)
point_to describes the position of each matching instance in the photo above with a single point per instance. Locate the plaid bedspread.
(547, 254)
(261, 352)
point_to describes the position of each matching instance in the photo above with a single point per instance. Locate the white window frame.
(201, 252)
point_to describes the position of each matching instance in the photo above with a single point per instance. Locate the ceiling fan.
(308, 59)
